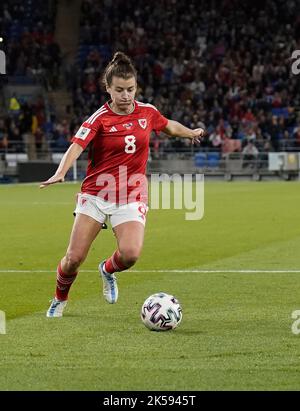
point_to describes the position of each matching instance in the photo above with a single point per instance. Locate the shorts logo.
(143, 123)
(83, 201)
(82, 133)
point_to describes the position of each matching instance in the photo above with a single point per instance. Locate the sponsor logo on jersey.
(128, 126)
(113, 129)
(143, 123)
(82, 133)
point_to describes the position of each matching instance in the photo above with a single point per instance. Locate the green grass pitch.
(236, 328)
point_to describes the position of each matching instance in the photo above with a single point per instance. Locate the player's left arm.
(175, 129)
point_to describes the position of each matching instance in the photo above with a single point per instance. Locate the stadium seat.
(280, 112)
(213, 159)
(200, 160)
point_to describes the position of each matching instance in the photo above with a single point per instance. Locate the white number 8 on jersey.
(130, 146)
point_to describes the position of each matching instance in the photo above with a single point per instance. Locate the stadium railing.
(194, 159)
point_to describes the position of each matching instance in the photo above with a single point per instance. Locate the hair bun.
(120, 57)
(119, 66)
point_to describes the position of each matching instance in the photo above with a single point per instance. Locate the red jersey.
(118, 151)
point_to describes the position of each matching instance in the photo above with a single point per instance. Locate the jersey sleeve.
(85, 134)
(159, 122)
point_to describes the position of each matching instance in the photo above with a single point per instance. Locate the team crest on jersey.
(128, 126)
(143, 123)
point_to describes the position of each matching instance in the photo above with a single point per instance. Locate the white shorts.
(101, 210)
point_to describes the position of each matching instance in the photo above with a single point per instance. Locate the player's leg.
(130, 239)
(85, 230)
(129, 226)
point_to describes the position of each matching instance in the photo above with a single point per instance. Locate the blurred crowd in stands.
(26, 127)
(223, 63)
(27, 27)
(220, 62)
(32, 57)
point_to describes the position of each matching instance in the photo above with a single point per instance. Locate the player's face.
(122, 93)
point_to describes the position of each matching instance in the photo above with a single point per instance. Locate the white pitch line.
(215, 271)
(170, 271)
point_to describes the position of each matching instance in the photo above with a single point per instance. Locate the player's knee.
(130, 255)
(74, 259)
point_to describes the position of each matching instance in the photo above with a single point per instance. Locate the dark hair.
(120, 66)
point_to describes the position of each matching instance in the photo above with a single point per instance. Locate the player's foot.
(56, 308)
(110, 287)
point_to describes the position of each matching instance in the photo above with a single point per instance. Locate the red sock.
(114, 263)
(63, 283)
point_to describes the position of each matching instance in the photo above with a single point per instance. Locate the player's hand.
(198, 134)
(52, 180)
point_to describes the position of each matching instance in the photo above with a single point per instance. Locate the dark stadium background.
(224, 63)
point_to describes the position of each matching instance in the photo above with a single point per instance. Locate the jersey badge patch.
(82, 133)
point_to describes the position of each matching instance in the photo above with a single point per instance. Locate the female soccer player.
(115, 185)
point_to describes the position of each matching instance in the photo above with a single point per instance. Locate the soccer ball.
(161, 312)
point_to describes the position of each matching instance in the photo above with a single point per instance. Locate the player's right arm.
(66, 162)
(80, 141)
